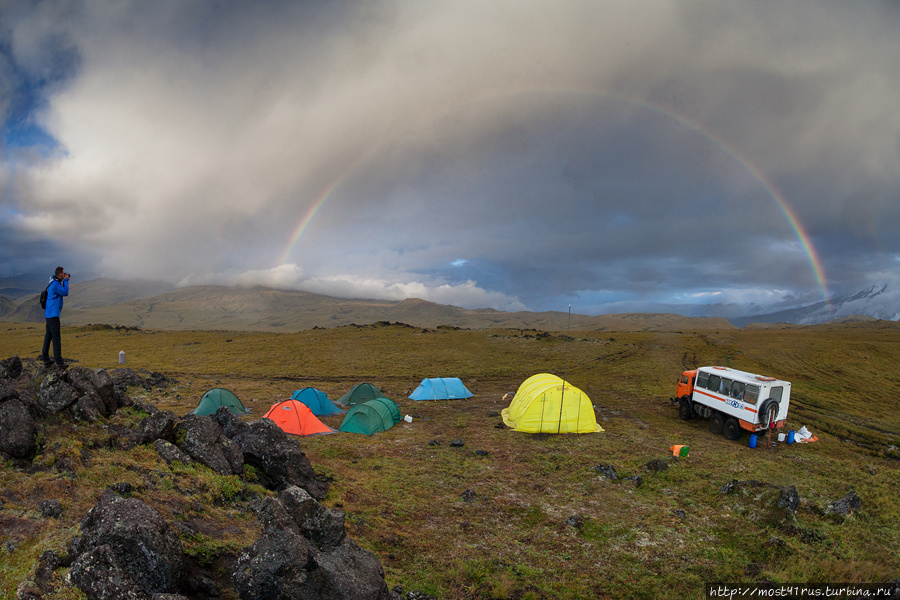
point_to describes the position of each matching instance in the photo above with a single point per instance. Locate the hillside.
(7, 306)
(263, 309)
(505, 515)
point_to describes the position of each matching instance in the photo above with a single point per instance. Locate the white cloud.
(466, 295)
(291, 277)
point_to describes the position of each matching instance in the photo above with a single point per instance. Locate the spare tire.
(765, 407)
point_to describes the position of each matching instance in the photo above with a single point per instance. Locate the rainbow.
(317, 204)
(793, 221)
(754, 171)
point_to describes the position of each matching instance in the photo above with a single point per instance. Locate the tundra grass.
(528, 516)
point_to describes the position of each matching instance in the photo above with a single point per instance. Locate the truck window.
(776, 393)
(725, 387)
(751, 393)
(714, 381)
(737, 390)
(702, 379)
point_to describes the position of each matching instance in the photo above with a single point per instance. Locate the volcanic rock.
(17, 430)
(279, 461)
(159, 425)
(126, 550)
(201, 438)
(607, 471)
(169, 452)
(10, 368)
(55, 393)
(764, 502)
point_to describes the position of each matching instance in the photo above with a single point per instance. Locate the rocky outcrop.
(98, 383)
(55, 393)
(229, 422)
(607, 471)
(17, 430)
(84, 394)
(10, 368)
(125, 377)
(159, 425)
(304, 553)
(314, 522)
(170, 452)
(126, 550)
(7, 391)
(201, 438)
(845, 506)
(279, 461)
(763, 502)
(276, 567)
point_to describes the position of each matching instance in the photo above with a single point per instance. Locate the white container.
(781, 437)
(408, 419)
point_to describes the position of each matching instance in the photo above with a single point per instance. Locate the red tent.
(295, 417)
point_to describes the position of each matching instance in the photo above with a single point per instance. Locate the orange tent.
(295, 417)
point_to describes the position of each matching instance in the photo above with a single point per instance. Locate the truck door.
(685, 385)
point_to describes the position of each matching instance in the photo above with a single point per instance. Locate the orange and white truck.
(733, 400)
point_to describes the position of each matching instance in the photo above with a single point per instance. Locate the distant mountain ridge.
(158, 305)
(265, 309)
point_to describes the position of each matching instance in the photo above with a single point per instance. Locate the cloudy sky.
(703, 157)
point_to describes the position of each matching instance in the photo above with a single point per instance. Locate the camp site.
(568, 473)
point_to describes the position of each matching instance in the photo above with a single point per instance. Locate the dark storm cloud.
(513, 155)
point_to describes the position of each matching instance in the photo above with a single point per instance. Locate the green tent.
(216, 397)
(370, 417)
(359, 393)
(391, 406)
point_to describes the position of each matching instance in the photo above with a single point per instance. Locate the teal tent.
(216, 397)
(370, 417)
(359, 393)
(391, 406)
(317, 401)
(440, 388)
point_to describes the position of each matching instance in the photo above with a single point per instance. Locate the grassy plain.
(531, 518)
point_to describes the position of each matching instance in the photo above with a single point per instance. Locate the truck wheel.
(686, 409)
(717, 423)
(732, 429)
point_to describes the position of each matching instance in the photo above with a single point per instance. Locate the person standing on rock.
(56, 290)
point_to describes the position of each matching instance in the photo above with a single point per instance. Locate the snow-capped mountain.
(880, 301)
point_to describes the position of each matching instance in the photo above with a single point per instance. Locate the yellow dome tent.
(545, 403)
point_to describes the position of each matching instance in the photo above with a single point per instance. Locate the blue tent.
(317, 401)
(440, 388)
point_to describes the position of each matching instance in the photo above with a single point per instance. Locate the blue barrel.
(753, 440)
(790, 436)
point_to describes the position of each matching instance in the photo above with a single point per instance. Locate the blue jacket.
(55, 292)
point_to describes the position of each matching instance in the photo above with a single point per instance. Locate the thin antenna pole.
(562, 396)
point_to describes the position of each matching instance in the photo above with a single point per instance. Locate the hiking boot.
(46, 360)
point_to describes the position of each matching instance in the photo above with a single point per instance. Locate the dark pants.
(53, 335)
